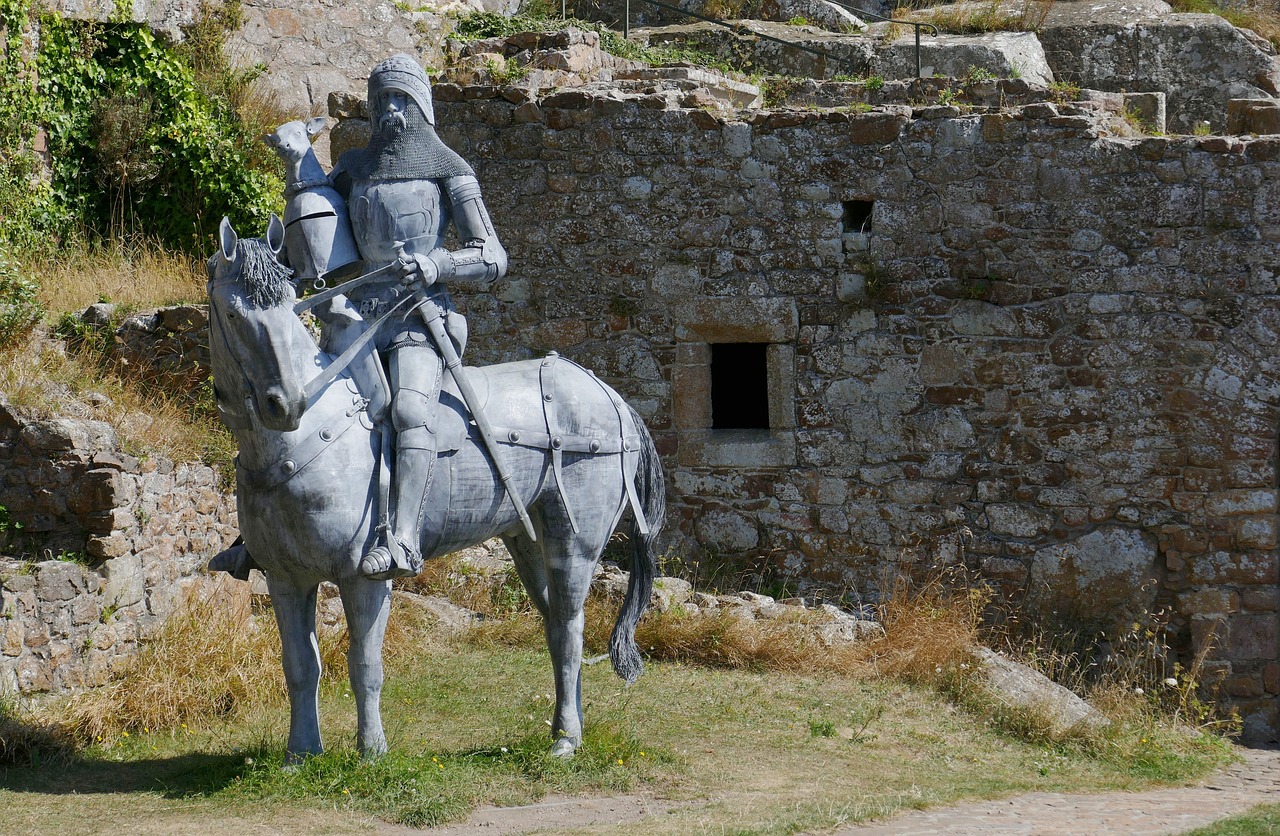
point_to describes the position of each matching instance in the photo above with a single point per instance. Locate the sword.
(430, 313)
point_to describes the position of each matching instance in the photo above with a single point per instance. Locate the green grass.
(766, 752)
(1263, 820)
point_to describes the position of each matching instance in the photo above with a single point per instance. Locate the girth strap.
(546, 380)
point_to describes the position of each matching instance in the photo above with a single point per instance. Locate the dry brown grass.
(1263, 19)
(141, 274)
(28, 737)
(45, 381)
(930, 628)
(975, 18)
(210, 659)
(492, 594)
(217, 656)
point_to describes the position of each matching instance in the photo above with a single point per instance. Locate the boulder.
(1014, 685)
(1002, 54)
(817, 13)
(1253, 116)
(1200, 62)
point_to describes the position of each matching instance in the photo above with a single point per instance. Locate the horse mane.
(262, 275)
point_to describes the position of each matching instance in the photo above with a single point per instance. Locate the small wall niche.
(739, 386)
(856, 216)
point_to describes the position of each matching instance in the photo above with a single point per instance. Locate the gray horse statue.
(308, 476)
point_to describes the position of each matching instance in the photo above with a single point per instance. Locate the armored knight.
(402, 192)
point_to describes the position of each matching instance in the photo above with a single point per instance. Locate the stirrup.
(382, 556)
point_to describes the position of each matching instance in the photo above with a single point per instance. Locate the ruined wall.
(99, 546)
(1049, 354)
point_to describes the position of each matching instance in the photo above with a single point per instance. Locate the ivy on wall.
(138, 141)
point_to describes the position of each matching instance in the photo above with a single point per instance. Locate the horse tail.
(652, 493)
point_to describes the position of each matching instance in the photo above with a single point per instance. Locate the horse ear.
(227, 237)
(275, 233)
(316, 125)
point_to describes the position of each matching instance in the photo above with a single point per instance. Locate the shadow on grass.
(180, 776)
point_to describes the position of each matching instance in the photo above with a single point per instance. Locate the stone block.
(1236, 502)
(1108, 576)
(59, 580)
(85, 610)
(1003, 54)
(347, 135)
(1257, 533)
(124, 581)
(1260, 600)
(1148, 107)
(1209, 601)
(12, 636)
(1253, 116)
(1252, 637)
(1022, 521)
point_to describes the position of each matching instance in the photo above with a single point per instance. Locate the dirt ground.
(1254, 780)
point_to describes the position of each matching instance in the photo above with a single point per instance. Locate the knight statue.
(402, 191)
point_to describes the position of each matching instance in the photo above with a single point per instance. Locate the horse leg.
(295, 610)
(527, 557)
(367, 604)
(569, 567)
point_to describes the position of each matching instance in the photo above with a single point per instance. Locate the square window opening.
(739, 386)
(857, 215)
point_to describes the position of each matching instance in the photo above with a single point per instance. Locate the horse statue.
(309, 470)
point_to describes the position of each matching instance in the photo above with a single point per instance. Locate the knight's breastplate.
(386, 212)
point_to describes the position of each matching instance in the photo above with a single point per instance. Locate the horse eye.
(231, 315)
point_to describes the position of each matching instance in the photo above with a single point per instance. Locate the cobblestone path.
(1256, 780)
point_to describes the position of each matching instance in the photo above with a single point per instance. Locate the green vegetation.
(975, 74)
(1263, 820)
(142, 135)
(1064, 92)
(20, 308)
(775, 90)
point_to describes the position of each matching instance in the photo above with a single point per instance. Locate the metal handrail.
(913, 24)
(626, 26)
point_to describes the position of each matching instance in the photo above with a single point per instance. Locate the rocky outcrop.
(1017, 55)
(1200, 62)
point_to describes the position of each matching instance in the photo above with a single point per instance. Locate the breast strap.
(304, 452)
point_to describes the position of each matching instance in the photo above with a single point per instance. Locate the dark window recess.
(857, 215)
(739, 386)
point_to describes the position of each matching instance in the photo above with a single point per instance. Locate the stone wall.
(102, 545)
(1047, 353)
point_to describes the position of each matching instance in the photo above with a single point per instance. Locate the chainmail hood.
(415, 153)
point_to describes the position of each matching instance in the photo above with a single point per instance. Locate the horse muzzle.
(280, 409)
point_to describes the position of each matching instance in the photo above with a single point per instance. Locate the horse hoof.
(563, 748)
